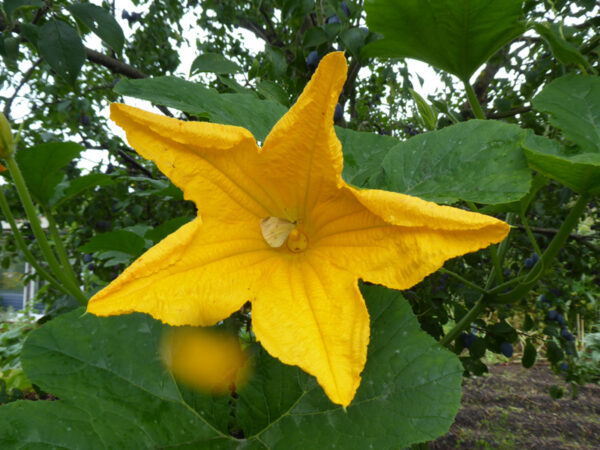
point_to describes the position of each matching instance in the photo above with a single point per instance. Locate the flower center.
(297, 241)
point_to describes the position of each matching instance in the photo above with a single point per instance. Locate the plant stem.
(464, 322)
(525, 222)
(60, 248)
(463, 280)
(475, 106)
(545, 260)
(493, 251)
(23, 245)
(38, 232)
(470, 316)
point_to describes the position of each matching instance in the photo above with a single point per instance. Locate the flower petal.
(216, 166)
(302, 151)
(196, 276)
(397, 240)
(312, 315)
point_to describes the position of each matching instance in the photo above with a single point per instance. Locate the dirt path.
(512, 408)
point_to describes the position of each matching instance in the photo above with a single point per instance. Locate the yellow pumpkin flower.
(278, 226)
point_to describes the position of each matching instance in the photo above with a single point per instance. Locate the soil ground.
(512, 408)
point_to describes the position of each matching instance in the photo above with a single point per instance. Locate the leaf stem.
(23, 245)
(525, 223)
(38, 232)
(475, 106)
(60, 248)
(463, 280)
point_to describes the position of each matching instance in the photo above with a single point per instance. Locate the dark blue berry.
(507, 349)
(87, 258)
(567, 335)
(85, 120)
(91, 266)
(125, 15)
(468, 339)
(552, 314)
(102, 225)
(561, 320)
(534, 258)
(564, 367)
(528, 264)
(334, 19)
(345, 8)
(339, 113)
(312, 60)
(109, 169)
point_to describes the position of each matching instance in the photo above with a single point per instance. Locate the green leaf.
(245, 110)
(580, 172)
(363, 154)
(529, 355)
(76, 186)
(163, 230)
(427, 112)
(314, 37)
(479, 161)
(553, 352)
(101, 22)
(61, 48)
(564, 51)
(10, 6)
(272, 91)
(41, 166)
(113, 390)
(573, 102)
(121, 241)
(457, 36)
(214, 62)
(410, 391)
(278, 61)
(115, 393)
(354, 40)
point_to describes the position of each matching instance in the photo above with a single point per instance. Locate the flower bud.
(7, 146)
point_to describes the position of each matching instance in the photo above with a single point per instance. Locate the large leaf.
(41, 166)
(455, 35)
(479, 161)
(245, 110)
(61, 47)
(119, 241)
(580, 172)
(77, 185)
(563, 50)
(363, 154)
(213, 62)
(101, 22)
(10, 6)
(113, 390)
(410, 391)
(573, 103)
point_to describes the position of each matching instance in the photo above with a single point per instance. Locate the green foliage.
(478, 161)
(42, 167)
(61, 47)
(457, 36)
(102, 368)
(101, 22)
(232, 109)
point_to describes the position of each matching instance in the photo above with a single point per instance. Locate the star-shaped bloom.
(279, 227)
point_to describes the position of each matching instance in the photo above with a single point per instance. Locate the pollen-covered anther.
(297, 241)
